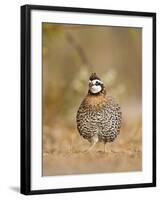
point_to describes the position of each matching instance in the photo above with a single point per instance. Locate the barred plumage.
(99, 116)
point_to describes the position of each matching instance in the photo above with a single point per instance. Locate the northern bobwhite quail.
(99, 116)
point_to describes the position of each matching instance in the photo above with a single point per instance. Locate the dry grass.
(63, 150)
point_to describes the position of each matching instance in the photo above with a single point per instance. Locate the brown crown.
(94, 76)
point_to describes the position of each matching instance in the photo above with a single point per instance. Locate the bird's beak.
(91, 84)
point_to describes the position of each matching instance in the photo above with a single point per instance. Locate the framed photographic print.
(88, 99)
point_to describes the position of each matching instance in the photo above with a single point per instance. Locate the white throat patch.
(95, 89)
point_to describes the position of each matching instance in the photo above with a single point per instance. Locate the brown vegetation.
(70, 54)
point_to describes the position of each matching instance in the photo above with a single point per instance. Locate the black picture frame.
(26, 98)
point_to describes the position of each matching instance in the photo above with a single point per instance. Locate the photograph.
(80, 89)
(92, 99)
(88, 99)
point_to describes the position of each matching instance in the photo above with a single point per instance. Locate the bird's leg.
(94, 140)
(91, 147)
(107, 148)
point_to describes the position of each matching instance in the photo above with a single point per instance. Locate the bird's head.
(96, 86)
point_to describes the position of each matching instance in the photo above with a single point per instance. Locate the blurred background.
(70, 54)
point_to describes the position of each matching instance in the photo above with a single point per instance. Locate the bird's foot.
(88, 150)
(109, 151)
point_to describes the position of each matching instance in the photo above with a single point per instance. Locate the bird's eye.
(97, 83)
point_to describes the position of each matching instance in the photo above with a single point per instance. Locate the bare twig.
(78, 48)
